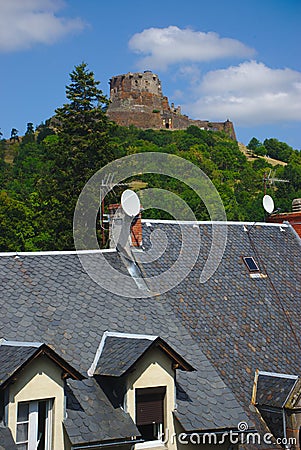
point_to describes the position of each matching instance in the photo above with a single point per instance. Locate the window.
(150, 412)
(34, 425)
(251, 264)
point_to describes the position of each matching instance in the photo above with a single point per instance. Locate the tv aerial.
(107, 183)
(268, 179)
(268, 204)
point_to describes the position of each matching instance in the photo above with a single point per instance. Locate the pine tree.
(82, 124)
(82, 147)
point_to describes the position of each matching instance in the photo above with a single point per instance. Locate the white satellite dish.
(130, 203)
(268, 204)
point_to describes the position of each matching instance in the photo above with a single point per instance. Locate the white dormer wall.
(40, 380)
(154, 370)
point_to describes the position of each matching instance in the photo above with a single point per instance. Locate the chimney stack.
(136, 227)
(296, 205)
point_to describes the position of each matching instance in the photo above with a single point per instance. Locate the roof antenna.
(269, 179)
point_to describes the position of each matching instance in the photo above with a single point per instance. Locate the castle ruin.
(137, 99)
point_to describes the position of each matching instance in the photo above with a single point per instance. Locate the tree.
(83, 126)
(14, 135)
(15, 224)
(82, 147)
(29, 129)
(29, 134)
(278, 150)
(254, 144)
(43, 131)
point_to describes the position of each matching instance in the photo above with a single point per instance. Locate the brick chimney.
(136, 227)
(294, 217)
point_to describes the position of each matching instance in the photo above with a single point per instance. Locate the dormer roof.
(120, 352)
(16, 355)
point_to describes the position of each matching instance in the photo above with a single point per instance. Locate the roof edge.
(277, 375)
(58, 252)
(213, 222)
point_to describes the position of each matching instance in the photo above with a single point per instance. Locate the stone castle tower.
(137, 99)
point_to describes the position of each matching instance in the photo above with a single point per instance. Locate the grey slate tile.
(6, 439)
(12, 358)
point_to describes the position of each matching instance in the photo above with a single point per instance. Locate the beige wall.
(154, 370)
(40, 380)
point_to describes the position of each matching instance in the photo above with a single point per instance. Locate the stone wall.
(137, 99)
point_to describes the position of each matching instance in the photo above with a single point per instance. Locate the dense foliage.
(42, 174)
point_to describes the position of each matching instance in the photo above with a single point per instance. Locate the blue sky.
(233, 59)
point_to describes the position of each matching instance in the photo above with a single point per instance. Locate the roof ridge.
(58, 252)
(212, 222)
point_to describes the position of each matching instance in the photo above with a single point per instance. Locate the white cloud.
(165, 46)
(249, 94)
(24, 23)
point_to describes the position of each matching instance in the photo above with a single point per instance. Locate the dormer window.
(150, 412)
(32, 381)
(138, 372)
(34, 425)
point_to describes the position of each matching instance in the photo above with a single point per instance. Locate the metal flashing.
(20, 343)
(278, 375)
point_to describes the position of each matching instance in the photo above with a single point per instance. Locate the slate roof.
(51, 298)
(12, 358)
(119, 355)
(273, 391)
(92, 418)
(226, 328)
(6, 439)
(240, 323)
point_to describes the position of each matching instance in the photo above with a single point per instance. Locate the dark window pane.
(23, 412)
(251, 264)
(22, 432)
(150, 406)
(42, 425)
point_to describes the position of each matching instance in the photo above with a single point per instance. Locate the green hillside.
(43, 174)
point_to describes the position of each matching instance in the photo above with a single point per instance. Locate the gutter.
(105, 444)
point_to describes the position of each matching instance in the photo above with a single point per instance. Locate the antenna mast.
(108, 181)
(267, 179)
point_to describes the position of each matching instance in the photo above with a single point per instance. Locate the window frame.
(246, 261)
(32, 440)
(160, 426)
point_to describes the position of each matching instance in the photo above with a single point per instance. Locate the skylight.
(251, 264)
